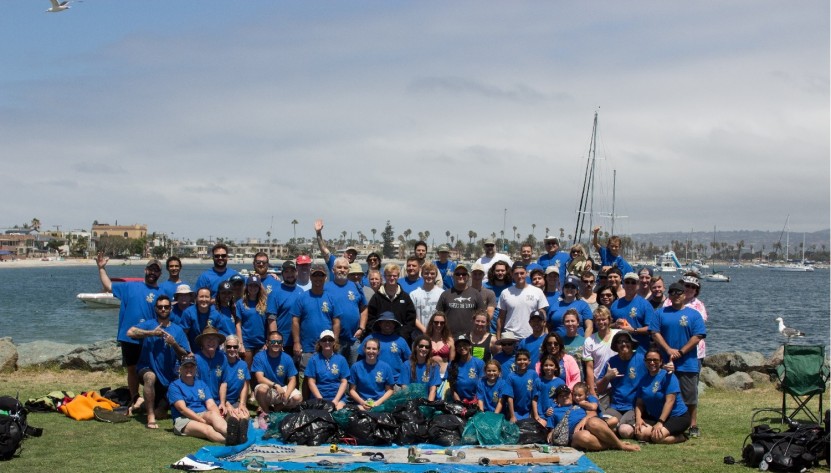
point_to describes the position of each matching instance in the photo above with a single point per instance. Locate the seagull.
(787, 331)
(58, 7)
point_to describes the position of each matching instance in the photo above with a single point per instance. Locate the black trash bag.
(412, 425)
(318, 404)
(372, 428)
(530, 431)
(309, 427)
(446, 430)
(454, 408)
(386, 428)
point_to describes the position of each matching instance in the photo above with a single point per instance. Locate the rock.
(8, 355)
(709, 377)
(42, 352)
(759, 378)
(738, 381)
(732, 362)
(99, 356)
(776, 358)
(701, 387)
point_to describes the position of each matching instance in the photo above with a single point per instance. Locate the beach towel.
(83, 407)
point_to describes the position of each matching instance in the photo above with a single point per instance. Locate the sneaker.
(243, 431)
(695, 432)
(232, 434)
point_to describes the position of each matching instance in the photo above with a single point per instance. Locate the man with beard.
(138, 300)
(412, 280)
(351, 303)
(313, 312)
(498, 279)
(211, 278)
(261, 267)
(162, 344)
(491, 256)
(517, 303)
(174, 270)
(281, 300)
(460, 303)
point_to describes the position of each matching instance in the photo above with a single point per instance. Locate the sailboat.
(800, 267)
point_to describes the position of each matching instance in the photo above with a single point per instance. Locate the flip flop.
(152, 425)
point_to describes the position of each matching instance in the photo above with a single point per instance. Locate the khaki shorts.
(179, 425)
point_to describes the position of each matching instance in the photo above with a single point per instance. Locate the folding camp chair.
(802, 376)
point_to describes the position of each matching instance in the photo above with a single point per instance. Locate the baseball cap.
(319, 268)
(303, 259)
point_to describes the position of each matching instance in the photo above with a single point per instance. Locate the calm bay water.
(40, 304)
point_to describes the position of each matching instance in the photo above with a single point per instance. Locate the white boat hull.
(99, 300)
(792, 268)
(717, 278)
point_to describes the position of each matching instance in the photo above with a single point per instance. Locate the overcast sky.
(218, 118)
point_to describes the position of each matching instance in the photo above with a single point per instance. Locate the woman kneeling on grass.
(660, 414)
(194, 411)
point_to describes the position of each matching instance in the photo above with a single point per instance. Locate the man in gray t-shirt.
(460, 303)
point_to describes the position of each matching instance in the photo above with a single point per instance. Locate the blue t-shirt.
(637, 313)
(470, 373)
(410, 286)
(491, 394)
(316, 312)
(194, 322)
(606, 259)
(212, 370)
(235, 377)
(275, 369)
(522, 389)
(350, 300)
(544, 393)
(446, 271)
(677, 327)
(212, 279)
(507, 362)
(653, 391)
(560, 259)
(393, 351)
(137, 303)
(168, 288)
(158, 356)
(253, 324)
(433, 378)
(371, 381)
(558, 310)
(279, 305)
(327, 373)
(532, 343)
(577, 414)
(194, 396)
(623, 389)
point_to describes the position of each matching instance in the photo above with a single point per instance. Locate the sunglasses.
(275, 342)
(260, 263)
(605, 294)
(653, 360)
(163, 307)
(327, 340)
(629, 281)
(436, 322)
(426, 347)
(220, 256)
(688, 286)
(232, 347)
(461, 275)
(675, 292)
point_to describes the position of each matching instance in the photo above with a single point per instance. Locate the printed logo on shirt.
(632, 372)
(334, 369)
(379, 376)
(472, 373)
(324, 307)
(394, 347)
(201, 394)
(449, 272)
(268, 289)
(530, 386)
(350, 295)
(218, 371)
(425, 377)
(240, 374)
(281, 370)
(683, 322)
(552, 392)
(495, 398)
(633, 313)
(656, 386)
(150, 297)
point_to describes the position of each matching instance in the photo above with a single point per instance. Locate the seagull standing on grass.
(58, 7)
(787, 331)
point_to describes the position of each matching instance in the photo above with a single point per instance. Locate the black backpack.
(796, 449)
(13, 427)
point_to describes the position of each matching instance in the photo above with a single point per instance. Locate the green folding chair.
(802, 376)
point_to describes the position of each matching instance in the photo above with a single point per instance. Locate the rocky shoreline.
(734, 371)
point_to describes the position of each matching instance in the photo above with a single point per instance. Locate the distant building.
(126, 231)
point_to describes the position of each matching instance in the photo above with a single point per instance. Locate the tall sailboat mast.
(587, 196)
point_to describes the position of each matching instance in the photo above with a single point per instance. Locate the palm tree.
(740, 245)
(515, 235)
(447, 234)
(426, 235)
(562, 232)
(471, 235)
(294, 224)
(36, 224)
(343, 235)
(374, 231)
(533, 228)
(407, 233)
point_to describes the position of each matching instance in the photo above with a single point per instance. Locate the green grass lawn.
(69, 445)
